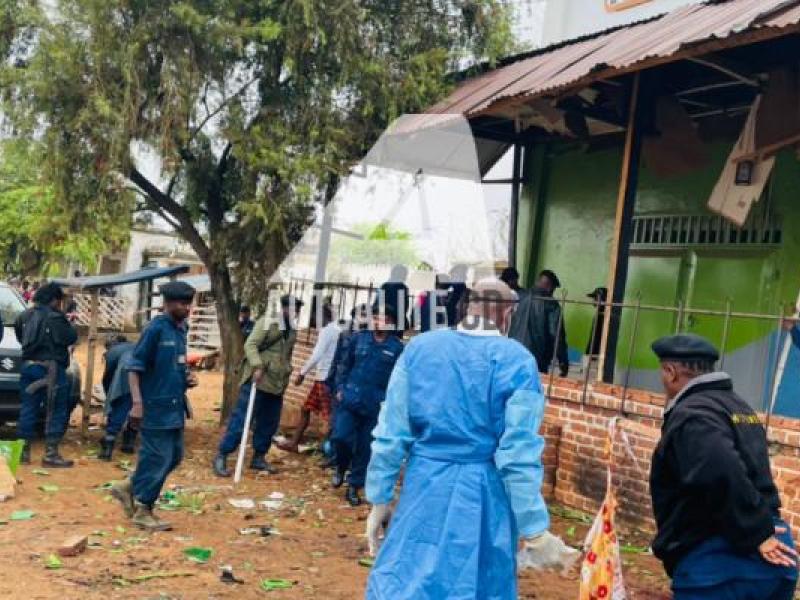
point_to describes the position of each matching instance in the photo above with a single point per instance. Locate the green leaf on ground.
(269, 585)
(570, 514)
(571, 531)
(629, 549)
(53, 562)
(366, 562)
(49, 488)
(42, 472)
(120, 529)
(198, 554)
(22, 515)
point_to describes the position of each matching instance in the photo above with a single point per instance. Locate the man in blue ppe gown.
(462, 411)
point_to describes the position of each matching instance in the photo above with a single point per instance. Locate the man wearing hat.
(268, 366)
(537, 324)
(158, 378)
(717, 510)
(45, 335)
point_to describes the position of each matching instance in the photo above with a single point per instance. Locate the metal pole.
(631, 349)
(591, 350)
(778, 347)
(514, 212)
(558, 340)
(237, 477)
(87, 390)
(725, 329)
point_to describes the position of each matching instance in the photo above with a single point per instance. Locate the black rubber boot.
(352, 496)
(25, 459)
(220, 465)
(259, 464)
(53, 459)
(338, 477)
(128, 445)
(106, 448)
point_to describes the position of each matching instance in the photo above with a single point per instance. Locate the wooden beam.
(751, 36)
(727, 69)
(772, 149)
(94, 316)
(514, 212)
(620, 243)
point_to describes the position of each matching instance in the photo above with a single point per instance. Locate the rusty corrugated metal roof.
(615, 52)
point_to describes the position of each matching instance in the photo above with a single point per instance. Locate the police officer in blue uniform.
(45, 335)
(118, 397)
(362, 378)
(158, 378)
(719, 529)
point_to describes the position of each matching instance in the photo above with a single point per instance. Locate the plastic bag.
(546, 552)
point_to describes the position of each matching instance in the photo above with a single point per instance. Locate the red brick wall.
(575, 432)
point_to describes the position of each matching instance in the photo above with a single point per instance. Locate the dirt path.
(316, 540)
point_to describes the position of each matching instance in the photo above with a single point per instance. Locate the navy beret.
(685, 347)
(177, 290)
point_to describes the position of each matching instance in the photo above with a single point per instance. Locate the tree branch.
(221, 106)
(175, 214)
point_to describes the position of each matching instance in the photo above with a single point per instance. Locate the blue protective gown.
(464, 411)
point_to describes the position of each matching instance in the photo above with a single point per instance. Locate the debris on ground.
(22, 515)
(53, 562)
(41, 472)
(198, 554)
(49, 488)
(269, 585)
(8, 483)
(242, 503)
(227, 575)
(126, 581)
(366, 562)
(74, 545)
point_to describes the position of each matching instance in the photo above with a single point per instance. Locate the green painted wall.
(575, 192)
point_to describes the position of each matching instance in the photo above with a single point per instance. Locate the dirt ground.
(315, 540)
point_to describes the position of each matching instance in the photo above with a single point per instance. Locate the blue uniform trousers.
(741, 589)
(118, 414)
(266, 419)
(33, 406)
(351, 438)
(160, 453)
(713, 571)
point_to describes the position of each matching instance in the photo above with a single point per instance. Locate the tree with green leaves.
(34, 235)
(230, 118)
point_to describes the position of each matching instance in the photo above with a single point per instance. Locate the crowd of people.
(459, 409)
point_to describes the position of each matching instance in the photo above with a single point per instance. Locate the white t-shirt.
(322, 356)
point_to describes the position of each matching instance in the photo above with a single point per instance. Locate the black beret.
(685, 347)
(289, 300)
(177, 290)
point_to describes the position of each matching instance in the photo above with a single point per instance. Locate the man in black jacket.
(538, 325)
(716, 506)
(45, 335)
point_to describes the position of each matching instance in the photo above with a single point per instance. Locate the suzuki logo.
(7, 364)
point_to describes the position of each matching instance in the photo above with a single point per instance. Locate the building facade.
(569, 19)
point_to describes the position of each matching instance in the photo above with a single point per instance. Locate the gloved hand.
(546, 551)
(563, 370)
(379, 517)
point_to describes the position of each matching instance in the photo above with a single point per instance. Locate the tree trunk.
(230, 335)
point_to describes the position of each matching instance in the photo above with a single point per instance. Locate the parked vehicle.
(11, 306)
